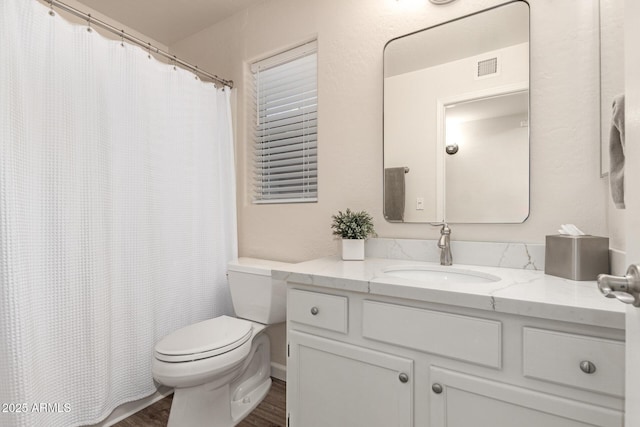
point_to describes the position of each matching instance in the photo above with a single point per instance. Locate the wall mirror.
(456, 120)
(611, 69)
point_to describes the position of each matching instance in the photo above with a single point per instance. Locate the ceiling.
(168, 21)
(516, 103)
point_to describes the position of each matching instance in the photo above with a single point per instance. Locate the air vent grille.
(487, 67)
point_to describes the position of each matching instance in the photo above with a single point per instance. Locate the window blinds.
(285, 127)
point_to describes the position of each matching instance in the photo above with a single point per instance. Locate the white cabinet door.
(465, 400)
(333, 384)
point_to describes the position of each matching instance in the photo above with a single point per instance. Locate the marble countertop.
(520, 292)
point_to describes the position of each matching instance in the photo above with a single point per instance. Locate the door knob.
(625, 288)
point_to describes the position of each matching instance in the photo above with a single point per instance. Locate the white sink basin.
(441, 275)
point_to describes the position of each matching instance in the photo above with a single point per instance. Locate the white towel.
(616, 152)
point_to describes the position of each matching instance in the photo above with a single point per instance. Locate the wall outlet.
(420, 203)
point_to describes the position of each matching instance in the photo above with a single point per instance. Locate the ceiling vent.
(487, 67)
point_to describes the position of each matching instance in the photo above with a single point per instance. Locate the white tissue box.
(576, 257)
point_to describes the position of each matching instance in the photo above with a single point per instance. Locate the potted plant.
(353, 228)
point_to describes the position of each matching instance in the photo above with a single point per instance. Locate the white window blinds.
(285, 127)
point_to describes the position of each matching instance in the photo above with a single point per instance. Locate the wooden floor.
(270, 413)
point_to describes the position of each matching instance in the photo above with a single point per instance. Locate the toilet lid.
(204, 339)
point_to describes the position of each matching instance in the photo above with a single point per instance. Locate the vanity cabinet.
(357, 359)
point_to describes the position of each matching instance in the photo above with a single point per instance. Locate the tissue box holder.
(576, 257)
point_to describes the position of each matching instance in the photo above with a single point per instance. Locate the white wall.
(612, 18)
(565, 179)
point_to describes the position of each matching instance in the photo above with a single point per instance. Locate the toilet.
(220, 368)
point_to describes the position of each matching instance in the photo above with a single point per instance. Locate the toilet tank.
(254, 294)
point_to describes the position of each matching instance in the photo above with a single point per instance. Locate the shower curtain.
(117, 215)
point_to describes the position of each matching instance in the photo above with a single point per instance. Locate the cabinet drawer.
(461, 337)
(318, 309)
(556, 357)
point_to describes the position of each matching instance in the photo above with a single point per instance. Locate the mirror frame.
(440, 120)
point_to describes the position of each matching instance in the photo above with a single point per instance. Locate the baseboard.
(278, 371)
(126, 410)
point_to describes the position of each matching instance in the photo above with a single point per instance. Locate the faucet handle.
(442, 224)
(445, 230)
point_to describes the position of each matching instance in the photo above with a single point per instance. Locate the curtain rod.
(147, 45)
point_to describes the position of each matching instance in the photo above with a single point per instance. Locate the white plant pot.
(353, 249)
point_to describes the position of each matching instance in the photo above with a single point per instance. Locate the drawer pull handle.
(437, 388)
(403, 377)
(587, 367)
(314, 310)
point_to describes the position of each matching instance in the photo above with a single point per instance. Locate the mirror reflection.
(611, 69)
(487, 161)
(456, 120)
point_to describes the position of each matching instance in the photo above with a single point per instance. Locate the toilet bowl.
(220, 368)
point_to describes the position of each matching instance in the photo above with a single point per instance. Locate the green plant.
(352, 225)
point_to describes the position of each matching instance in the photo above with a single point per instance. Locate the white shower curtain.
(117, 215)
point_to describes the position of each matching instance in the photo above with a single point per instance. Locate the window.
(285, 127)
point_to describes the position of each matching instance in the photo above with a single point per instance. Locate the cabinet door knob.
(314, 310)
(587, 367)
(403, 377)
(437, 388)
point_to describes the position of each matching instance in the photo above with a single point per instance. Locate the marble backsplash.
(527, 256)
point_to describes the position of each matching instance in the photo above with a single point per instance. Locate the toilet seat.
(204, 340)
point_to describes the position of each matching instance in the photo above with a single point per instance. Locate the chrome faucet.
(445, 245)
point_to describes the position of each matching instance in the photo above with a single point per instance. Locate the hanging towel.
(394, 194)
(616, 152)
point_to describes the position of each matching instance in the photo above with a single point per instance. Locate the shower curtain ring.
(173, 60)
(89, 23)
(122, 38)
(149, 50)
(51, 12)
(196, 72)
